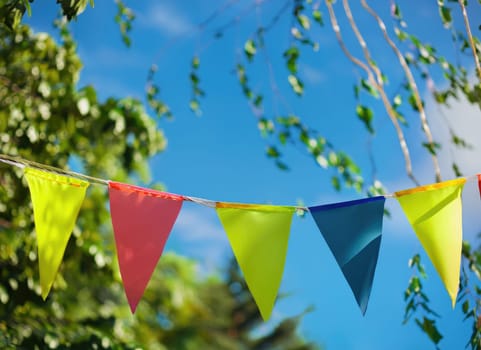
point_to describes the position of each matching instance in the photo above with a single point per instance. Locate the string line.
(22, 163)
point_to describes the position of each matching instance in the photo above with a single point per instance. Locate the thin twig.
(412, 84)
(217, 12)
(470, 36)
(372, 80)
(362, 42)
(272, 78)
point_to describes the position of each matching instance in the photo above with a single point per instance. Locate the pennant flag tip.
(46, 282)
(266, 312)
(133, 308)
(453, 297)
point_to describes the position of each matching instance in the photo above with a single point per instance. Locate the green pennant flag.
(435, 213)
(56, 201)
(258, 235)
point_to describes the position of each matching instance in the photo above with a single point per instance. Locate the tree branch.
(470, 36)
(372, 80)
(412, 84)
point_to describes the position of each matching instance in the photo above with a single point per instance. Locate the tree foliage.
(47, 118)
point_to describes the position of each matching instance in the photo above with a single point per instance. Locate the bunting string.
(258, 234)
(21, 163)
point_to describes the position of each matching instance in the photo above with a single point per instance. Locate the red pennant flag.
(142, 220)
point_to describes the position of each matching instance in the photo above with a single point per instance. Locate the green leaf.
(414, 260)
(401, 35)
(72, 8)
(296, 84)
(304, 137)
(322, 161)
(194, 106)
(397, 101)
(296, 33)
(446, 17)
(195, 62)
(281, 165)
(465, 307)
(241, 74)
(290, 120)
(250, 49)
(412, 102)
(124, 18)
(432, 147)
(333, 159)
(194, 79)
(415, 285)
(258, 101)
(459, 142)
(292, 55)
(26, 3)
(366, 115)
(369, 88)
(272, 152)
(266, 126)
(456, 170)
(11, 15)
(429, 327)
(317, 16)
(336, 183)
(304, 21)
(283, 137)
(396, 11)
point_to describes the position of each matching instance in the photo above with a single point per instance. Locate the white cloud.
(312, 75)
(465, 120)
(167, 19)
(202, 237)
(198, 225)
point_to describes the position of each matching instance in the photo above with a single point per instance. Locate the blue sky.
(220, 154)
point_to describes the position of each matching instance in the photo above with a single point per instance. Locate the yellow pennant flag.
(435, 213)
(258, 235)
(56, 202)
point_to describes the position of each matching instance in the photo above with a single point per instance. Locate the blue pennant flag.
(352, 231)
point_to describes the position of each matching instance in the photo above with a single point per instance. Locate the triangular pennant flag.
(352, 231)
(435, 213)
(142, 220)
(258, 235)
(56, 201)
